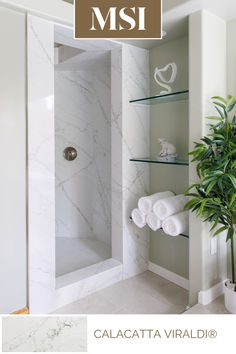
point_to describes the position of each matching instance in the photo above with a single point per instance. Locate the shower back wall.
(82, 120)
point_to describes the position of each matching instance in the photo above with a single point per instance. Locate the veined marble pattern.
(44, 334)
(130, 137)
(121, 183)
(41, 185)
(135, 129)
(83, 186)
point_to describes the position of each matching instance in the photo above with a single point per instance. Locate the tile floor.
(146, 293)
(215, 307)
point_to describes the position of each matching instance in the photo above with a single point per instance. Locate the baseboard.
(205, 297)
(167, 274)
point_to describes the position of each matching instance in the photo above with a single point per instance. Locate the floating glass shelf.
(153, 160)
(184, 235)
(169, 97)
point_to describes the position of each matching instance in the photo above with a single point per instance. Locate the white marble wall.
(41, 173)
(129, 138)
(83, 186)
(44, 334)
(44, 294)
(135, 136)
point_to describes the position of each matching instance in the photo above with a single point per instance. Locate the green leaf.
(220, 113)
(199, 170)
(210, 186)
(220, 99)
(217, 173)
(214, 118)
(207, 140)
(220, 105)
(231, 106)
(230, 234)
(229, 97)
(220, 184)
(208, 179)
(232, 199)
(190, 187)
(220, 136)
(234, 216)
(233, 179)
(215, 224)
(191, 203)
(221, 229)
(202, 205)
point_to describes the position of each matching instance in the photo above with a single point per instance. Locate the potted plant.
(214, 197)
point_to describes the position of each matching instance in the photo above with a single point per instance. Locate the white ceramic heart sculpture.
(159, 76)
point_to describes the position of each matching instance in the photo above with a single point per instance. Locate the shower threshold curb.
(86, 272)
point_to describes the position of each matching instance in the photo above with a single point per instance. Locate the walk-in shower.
(82, 80)
(82, 132)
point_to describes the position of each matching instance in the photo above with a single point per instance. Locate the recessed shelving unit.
(153, 100)
(153, 160)
(169, 97)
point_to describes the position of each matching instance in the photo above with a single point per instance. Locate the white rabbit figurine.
(167, 148)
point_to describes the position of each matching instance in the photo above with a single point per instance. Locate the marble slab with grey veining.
(44, 334)
(116, 135)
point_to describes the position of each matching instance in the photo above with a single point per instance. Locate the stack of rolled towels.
(162, 210)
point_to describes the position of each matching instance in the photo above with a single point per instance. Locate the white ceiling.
(175, 18)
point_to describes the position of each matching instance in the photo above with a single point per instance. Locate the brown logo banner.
(118, 18)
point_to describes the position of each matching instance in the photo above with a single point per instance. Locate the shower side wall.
(135, 143)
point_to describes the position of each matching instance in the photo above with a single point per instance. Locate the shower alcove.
(80, 237)
(82, 103)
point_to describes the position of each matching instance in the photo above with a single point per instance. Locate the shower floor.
(76, 253)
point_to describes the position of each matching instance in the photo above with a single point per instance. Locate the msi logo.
(134, 17)
(118, 19)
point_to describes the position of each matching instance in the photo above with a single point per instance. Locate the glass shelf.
(153, 160)
(183, 235)
(169, 97)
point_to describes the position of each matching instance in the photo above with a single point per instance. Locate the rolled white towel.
(153, 221)
(138, 218)
(176, 224)
(169, 206)
(145, 204)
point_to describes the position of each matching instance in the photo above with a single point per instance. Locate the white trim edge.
(205, 297)
(167, 274)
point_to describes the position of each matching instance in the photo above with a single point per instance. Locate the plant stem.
(232, 259)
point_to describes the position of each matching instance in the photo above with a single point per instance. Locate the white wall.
(56, 10)
(231, 58)
(207, 77)
(13, 294)
(231, 82)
